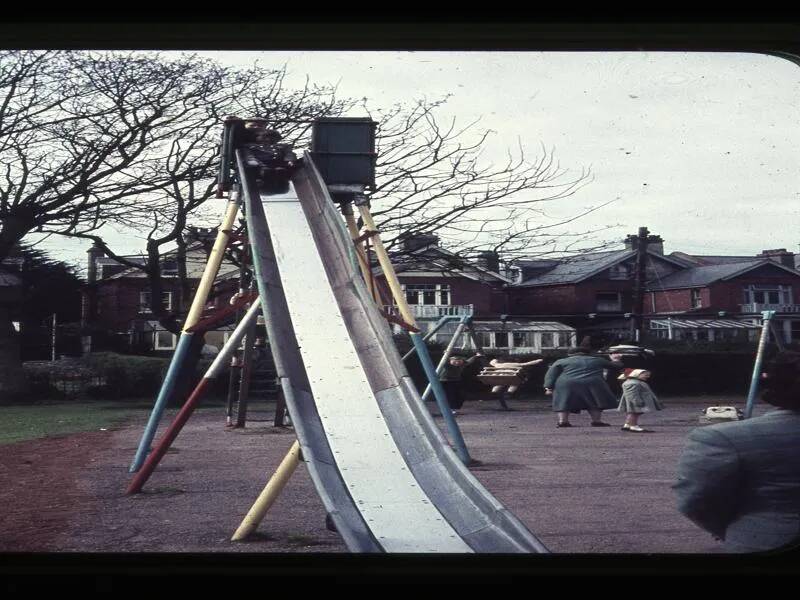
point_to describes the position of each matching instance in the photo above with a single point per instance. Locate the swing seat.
(493, 376)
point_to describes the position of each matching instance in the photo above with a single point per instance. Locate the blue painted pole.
(445, 357)
(171, 379)
(439, 324)
(441, 398)
(762, 343)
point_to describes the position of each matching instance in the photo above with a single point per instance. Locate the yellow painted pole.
(416, 338)
(269, 494)
(214, 261)
(347, 211)
(388, 269)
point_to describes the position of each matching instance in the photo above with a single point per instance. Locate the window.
(169, 267)
(485, 338)
(608, 302)
(144, 301)
(563, 339)
(500, 339)
(437, 294)
(523, 339)
(165, 340)
(768, 294)
(619, 272)
(697, 302)
(547, 340)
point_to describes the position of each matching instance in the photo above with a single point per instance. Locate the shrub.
(127, 375)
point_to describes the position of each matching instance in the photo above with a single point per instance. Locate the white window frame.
(156, 339)
(784, 293)
(144, 301)
(553, 342)
(421, 288)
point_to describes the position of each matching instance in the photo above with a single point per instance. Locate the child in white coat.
(637, 398)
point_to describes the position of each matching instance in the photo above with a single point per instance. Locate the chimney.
(94, 253)
(420, 240)
(489, 260)
(654, 243)
(779, 255)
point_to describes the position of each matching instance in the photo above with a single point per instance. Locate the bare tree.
(434, 177)
(84, 136)
(186, 171)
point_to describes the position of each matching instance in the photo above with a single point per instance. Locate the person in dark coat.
(740, 481)
(451, 379)
(577, 383)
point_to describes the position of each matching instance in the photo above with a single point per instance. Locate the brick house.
(116, 299)
(438, 283)
(685, 297)
(592, 292)
(732, 288)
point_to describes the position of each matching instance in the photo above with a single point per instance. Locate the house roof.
(426, 256)
(583, 266)
(578, 268)
(705, 260)
(536, 262)
(138, 258)
(702, 276)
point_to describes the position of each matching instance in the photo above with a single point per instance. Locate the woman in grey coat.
(740, 481)
(576, 383)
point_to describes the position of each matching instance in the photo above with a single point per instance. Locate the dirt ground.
(580, 490)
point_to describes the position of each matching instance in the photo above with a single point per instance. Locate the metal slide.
(385, 474)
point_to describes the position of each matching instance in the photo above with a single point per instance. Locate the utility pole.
(638, 285)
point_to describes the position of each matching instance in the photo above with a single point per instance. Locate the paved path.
(589, 489)
(581, 490)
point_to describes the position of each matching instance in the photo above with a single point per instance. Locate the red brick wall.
(566, 299)
(721, 295)
(672, 300)
(729, 295)
(118, 302)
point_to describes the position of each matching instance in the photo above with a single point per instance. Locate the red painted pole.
(169, 436)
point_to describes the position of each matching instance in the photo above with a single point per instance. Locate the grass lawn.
(27, 422)
(30, 421)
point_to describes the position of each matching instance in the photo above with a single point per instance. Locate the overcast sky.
(702, 148)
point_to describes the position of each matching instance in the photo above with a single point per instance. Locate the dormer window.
(619, 272)
(169, 267)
